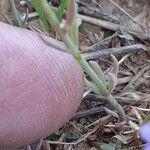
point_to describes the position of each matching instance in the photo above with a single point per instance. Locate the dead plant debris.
(121, 28)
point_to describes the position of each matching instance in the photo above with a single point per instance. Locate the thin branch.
(122, 99)
(98, 11)
(109, 51)
(89, 112)
(127, 14)
(115, 27)
(133, 80)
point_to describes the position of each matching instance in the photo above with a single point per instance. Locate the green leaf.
(37, 5)
(18, 18)
(92, 85)
(61, 9)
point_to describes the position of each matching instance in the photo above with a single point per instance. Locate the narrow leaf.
(61, 9)
(37, 5)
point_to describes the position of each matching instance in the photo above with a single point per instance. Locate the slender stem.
(73, 48)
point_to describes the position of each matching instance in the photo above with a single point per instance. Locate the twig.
(143, 109)
(127, 14)
(26, 15)
(97, 12)
(30, 16)
(115, 27)
(88, 112)
(133, 80)
(124, 58)
(137, 114)
(103, 42)
(108, 52)
(121, 99)
(93, 123)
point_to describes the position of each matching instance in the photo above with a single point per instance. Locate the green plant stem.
(75, 52)
(52, 19)
(61, 9)
(92, 86)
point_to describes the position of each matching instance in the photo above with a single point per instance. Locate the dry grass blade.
(139, 74)
(86, 93)
(115, 67)
(115, 27)
(113, 80)
(143, 109)
(89, 112)
(100, 126)
(113, 74)
(70, 11)
(127, 14)
(137, 114)
(124, 58)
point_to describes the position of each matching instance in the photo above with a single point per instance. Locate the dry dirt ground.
(95, 126)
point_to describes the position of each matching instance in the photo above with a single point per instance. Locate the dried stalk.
(115, 27)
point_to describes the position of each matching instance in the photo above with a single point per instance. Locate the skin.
(40, 87)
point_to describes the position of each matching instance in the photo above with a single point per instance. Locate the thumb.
(40, 87)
